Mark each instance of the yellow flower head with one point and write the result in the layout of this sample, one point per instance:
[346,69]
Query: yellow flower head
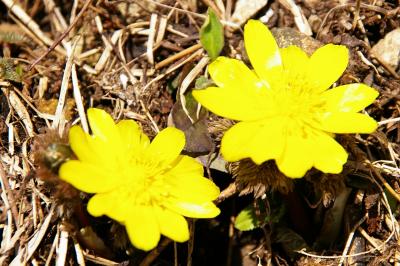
[285,109]
[147,186]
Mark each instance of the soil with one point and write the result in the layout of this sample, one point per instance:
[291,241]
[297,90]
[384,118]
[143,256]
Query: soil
[131,58]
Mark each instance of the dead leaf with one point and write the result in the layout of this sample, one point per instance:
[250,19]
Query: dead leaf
[197,137]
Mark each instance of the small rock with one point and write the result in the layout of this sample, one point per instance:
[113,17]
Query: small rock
[387,49]
[288,36]
[245,9]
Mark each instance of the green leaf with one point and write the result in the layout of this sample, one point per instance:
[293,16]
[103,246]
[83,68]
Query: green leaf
[256,215]
[212,35]
[202,83]
[247,219]
[392,200]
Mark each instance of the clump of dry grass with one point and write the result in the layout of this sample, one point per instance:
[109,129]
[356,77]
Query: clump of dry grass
[123,56]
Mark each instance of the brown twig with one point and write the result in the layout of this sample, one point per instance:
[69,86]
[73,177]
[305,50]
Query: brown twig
[192,20]
[62,36]
[191,242]
[384,182]
[231,242]
[228,10]
[177,56]
[214,7]
[9,193]
[387,67]
[356,15]
[155,252]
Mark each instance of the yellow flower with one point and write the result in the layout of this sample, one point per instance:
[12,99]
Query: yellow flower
[148,187]
[285,109]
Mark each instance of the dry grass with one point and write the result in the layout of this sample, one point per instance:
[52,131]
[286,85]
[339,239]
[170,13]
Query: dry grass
[123,56]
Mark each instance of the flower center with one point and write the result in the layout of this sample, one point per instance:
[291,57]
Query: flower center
[296,100]
[144,182]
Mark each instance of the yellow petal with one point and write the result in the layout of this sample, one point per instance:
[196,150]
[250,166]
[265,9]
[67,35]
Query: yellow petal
[114,204]
[186,165]
[172,225]
[259,140]
[167,145]
[187,183]
[142,228]
[349,98]
[297,158]
[294,60]
[329,156]
[100,204]
[105,141]
[129,132]
[235,104]
[262,49]
[193,210]
[133,138]
[102,125]
[348,123]
[104,153]
[234,74]
[327,64]
[80,145]
[87,177]
[195,189]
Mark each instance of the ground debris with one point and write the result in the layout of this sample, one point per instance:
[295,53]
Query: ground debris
[132,59]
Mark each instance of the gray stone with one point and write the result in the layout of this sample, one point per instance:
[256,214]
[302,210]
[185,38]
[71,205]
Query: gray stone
[387,49]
